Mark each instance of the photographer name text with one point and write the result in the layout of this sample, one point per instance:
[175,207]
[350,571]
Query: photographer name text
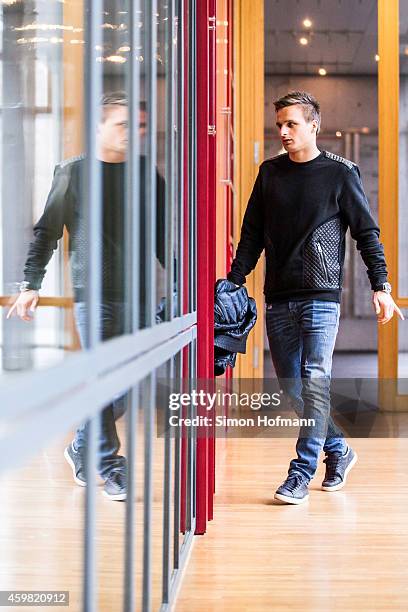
[223,421]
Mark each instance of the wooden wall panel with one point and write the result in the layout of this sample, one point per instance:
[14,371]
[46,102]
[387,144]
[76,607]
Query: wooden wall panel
[73,67]
[73,132]
[248,150]
[388,106]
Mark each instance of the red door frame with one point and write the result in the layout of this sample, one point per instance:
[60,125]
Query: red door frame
[212,202]
[186,246]
[206,157]
[229,245]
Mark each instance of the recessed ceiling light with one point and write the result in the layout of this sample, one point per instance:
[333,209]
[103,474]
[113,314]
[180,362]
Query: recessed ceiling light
[303,40]
[377,57]
[307,23]
[322,71]
[338,134]
[116,59]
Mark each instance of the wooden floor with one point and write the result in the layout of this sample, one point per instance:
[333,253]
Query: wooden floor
[343,551]
[41,530]
[340,551]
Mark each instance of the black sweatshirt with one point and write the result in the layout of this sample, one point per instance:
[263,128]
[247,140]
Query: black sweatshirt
[65,208]
[299,213]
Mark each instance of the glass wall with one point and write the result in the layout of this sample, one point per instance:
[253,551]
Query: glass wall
[32,144]
[43,134]
[322,50]
[97,232]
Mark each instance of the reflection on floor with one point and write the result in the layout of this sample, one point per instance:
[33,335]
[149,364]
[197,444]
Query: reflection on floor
[349,365]
[340,551]
[346,550]
[354,365]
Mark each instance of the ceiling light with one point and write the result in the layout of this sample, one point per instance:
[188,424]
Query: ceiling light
[43,27]
[116,59]
[307,23]
[303,41]
[34,40]
[338,134]
[322,71]
[377,57]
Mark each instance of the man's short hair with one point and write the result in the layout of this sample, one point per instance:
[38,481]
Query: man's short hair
[117,98]
[310,106]
[112,99]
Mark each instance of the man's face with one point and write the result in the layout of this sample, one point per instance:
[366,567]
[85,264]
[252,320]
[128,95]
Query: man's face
[113,131]
[295,132]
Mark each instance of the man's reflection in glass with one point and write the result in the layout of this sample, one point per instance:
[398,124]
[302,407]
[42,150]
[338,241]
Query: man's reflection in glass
[64,208]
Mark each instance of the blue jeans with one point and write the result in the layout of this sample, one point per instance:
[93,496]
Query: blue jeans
[111,322]
[301,337]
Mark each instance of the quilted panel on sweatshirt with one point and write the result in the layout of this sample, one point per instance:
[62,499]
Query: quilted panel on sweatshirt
[321,265]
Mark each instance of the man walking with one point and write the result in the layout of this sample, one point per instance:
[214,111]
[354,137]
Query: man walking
[65,208]
[301,205]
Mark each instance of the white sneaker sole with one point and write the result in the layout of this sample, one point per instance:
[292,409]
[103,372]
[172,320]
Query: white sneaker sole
[118,497]
[341,485]
[290,500]
[81,483]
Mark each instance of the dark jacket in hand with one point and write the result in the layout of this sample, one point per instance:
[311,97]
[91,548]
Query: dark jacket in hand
[234,317]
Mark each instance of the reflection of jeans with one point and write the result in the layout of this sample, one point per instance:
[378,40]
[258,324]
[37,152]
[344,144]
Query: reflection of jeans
[111,320]
[301,338]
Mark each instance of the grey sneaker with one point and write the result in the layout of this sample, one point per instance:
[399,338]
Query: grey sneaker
[115,485]
[76,461]
[294,490]
[337,468]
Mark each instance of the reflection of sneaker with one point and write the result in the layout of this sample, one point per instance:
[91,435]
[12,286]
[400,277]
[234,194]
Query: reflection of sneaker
[294,490]
[337,468]
[115,485]
[76,461]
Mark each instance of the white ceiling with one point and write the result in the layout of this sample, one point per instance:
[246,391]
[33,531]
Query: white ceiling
[343,38]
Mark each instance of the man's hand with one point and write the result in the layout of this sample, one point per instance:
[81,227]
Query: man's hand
[385,306]
[26,302]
